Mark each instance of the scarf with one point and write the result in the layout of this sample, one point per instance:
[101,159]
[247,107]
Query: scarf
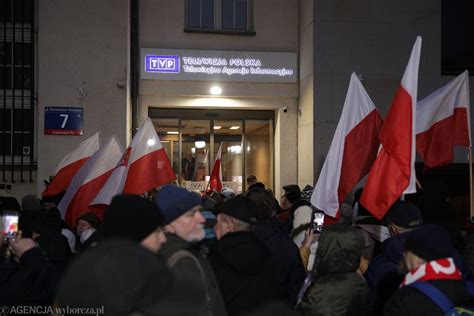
[440,269]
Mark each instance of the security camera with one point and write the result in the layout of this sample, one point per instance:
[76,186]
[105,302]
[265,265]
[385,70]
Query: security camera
[285,109]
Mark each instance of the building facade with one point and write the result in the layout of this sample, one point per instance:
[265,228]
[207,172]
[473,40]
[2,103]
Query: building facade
[282,67]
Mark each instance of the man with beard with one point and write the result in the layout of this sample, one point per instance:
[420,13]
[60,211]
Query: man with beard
[184,227]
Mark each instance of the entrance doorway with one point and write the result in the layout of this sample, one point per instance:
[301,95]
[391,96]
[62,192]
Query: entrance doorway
[192,139]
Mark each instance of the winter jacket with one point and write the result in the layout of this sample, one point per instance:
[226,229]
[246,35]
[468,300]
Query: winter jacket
[409,301]
[183,256]
[247,272]
[382,275]
[32,282]
[284,249]
[337,288]
[297,217]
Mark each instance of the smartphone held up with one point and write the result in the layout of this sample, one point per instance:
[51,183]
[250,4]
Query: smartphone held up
[9,224]
[317,221]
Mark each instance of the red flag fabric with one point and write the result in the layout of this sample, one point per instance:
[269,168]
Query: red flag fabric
[149,166]
[393,172]
[442,122]
[144,166]
[88,180]
[215,180]
[352,152]
[70,164]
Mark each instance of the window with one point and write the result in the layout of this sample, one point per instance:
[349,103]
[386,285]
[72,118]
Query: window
[221,16]
[17,102]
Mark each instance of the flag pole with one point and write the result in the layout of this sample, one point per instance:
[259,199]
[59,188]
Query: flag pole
[418,184]
[471,213]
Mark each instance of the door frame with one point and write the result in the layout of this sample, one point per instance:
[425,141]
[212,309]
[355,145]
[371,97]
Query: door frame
[219,114]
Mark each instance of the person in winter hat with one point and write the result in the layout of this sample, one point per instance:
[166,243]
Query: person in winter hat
[246,270]
[428,260]
[184,226]
[135,218]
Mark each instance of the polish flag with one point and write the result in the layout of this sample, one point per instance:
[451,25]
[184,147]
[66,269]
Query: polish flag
[88,180]
[352,152]
[148,165]
[393,172]
[144,166]
[215,181]
[70,164]
[442,122]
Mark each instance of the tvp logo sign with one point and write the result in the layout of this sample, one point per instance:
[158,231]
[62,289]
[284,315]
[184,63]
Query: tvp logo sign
[162,63]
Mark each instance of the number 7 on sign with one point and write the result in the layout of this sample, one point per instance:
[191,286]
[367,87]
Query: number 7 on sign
[65,116]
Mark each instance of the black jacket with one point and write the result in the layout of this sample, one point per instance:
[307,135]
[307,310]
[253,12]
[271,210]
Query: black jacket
[183,256]
[32,282]
[247,272]
[410,301]
[292,272]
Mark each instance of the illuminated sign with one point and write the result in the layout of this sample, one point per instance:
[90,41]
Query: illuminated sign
[199,65]
[163,63]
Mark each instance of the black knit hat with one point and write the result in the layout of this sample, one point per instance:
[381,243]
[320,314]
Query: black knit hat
[241,208]
[122,277]
[175,201]
[292,192]
[131,217]
[91,218]
[430,242]
[405,215]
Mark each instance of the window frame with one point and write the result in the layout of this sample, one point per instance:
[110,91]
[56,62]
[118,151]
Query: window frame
[18,102]
[218,21]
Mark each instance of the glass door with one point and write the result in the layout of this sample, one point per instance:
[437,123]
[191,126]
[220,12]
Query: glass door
[168,132]
[195,137]
[229,135]
[192,138]
[258,151]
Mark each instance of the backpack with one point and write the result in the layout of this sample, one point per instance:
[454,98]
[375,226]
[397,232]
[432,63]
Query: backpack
[440,299]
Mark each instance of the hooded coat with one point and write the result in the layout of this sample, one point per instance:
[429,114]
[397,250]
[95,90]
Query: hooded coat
[337,288]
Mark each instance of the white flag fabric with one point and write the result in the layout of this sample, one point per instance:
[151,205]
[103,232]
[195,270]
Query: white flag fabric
[443,122]
[393,172]
[88,180]
[144,166]
[70,164]
[353,149]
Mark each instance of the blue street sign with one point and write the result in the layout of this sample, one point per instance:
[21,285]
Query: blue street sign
[63,121]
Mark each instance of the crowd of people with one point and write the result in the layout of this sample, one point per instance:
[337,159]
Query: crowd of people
[177,252]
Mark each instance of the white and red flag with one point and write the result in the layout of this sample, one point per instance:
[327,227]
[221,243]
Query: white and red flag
[215,181]
[70,164]
[352,152]
[443,121]
[148,165]
[393,172]
[88,180]
[144,166]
